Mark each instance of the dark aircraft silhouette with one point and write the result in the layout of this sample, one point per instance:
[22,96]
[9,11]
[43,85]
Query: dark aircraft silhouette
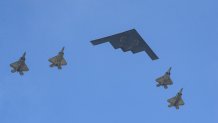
[128,41]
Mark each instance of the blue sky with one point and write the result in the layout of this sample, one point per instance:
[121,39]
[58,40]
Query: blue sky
[100,84]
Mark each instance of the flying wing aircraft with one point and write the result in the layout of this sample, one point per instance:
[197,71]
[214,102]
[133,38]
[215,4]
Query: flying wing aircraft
[128,41]
[58,60]
[165,80]
[177,100]
[20,65]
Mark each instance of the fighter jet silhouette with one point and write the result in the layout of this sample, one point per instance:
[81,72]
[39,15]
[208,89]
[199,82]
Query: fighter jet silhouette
[58,60]
[177,100]
[164,80]
[20,65]
[128,41]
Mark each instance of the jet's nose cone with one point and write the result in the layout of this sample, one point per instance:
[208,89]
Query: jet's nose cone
[168,71]
[62,50]
[24,54]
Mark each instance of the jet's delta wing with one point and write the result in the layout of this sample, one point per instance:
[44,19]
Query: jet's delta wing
[128,41]
[15,65]
[55,60]
[20,66]
[24,67]
[181,102]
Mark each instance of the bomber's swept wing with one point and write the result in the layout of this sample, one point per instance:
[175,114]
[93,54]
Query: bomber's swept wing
[128,41]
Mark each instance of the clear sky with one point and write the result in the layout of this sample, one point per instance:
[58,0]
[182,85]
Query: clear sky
[101,84]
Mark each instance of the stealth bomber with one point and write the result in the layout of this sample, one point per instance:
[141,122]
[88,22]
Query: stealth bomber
[165,80]
[176,101]
[128,41]
[20,65]
[58,60]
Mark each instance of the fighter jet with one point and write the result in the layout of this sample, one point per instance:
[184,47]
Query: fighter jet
[58,60]
[128,41]
[176,101]
[164,80]
[20,65]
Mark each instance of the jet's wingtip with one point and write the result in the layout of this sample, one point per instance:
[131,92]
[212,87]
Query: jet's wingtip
[156,58]
[93,42]
[98,41]
[152,55]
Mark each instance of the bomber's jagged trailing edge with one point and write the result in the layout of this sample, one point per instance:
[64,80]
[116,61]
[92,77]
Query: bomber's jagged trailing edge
[165,80]
[177,100]
[20,65]
[58,60]
[128,41]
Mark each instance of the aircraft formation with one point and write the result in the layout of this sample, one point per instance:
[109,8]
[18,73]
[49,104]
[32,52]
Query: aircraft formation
[21,67]
[128,41]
